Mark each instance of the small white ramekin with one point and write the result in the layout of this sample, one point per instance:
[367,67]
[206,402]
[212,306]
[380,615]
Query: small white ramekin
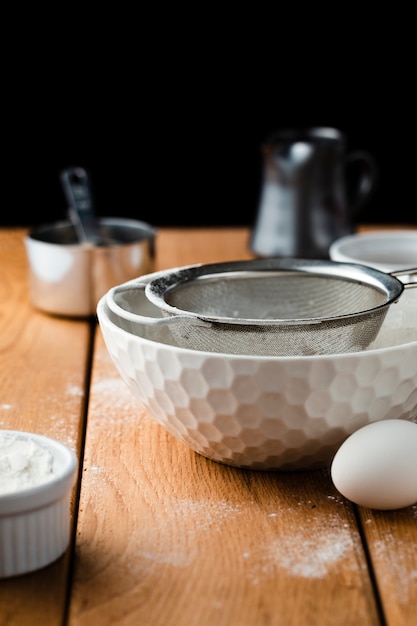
[35,522]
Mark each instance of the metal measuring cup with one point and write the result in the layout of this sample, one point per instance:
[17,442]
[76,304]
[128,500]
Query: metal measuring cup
[72,263]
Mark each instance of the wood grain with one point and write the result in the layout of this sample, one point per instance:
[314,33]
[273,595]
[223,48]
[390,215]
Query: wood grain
[43,365]
[165,536]
[168,537]
[391,537]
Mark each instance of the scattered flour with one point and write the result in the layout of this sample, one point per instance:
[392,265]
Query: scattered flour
[114,392]
[401,577]
[199,516]
[75,390]
[308,558]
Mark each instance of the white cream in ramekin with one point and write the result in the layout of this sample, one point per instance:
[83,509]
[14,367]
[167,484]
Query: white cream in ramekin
[37,476]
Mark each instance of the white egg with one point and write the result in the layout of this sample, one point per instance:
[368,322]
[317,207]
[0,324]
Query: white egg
[376,466]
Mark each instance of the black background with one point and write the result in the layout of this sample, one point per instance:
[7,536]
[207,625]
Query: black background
[170,127]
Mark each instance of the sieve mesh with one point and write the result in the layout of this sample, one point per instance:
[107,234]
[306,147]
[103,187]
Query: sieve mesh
[344,335]
[292,296]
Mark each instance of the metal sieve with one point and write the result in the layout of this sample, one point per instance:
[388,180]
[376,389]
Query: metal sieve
[282,307]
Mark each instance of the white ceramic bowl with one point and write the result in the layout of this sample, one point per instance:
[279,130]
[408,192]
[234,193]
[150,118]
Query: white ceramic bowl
[388,250]
[286,413]
[34,517]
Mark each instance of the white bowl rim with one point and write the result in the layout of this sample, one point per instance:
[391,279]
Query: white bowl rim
[45,493]
[103,318]
[380,234]
[349,247]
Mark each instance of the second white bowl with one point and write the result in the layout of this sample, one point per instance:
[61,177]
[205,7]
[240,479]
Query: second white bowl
[387,250]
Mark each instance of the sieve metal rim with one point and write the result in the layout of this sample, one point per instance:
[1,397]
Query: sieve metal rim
[158,289]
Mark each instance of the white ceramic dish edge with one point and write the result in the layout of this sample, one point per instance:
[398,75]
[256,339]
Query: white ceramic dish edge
[35,523]
[386,250]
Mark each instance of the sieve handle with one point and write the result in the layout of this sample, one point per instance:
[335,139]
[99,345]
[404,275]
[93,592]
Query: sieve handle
[411,271]
[137,318]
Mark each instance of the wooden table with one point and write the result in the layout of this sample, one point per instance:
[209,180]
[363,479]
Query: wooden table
[161,535]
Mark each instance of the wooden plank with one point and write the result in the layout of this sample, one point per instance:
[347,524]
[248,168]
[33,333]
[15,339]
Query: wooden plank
[166,537]
[43,365]
[392,542]
[391,537]
[183,246]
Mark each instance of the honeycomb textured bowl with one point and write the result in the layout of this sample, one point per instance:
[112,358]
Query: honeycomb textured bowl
[266,413]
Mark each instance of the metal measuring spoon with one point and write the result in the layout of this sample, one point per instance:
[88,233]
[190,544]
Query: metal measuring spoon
[77,190]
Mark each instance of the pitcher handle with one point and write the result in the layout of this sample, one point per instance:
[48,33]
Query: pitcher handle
[366,178]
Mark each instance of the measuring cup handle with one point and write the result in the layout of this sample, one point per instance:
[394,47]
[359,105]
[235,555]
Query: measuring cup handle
[78,193]
[364,180]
